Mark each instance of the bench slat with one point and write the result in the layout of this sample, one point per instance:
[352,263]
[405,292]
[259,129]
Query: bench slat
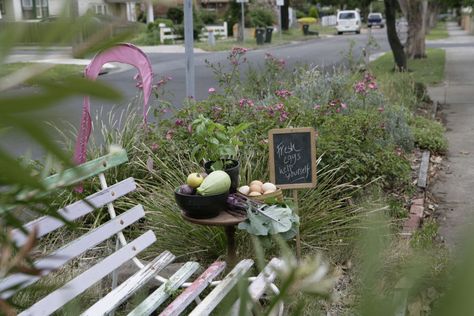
[82,282]
[86,170]
[258,286]
[117,296]
[193,291]
[222,289]
[77,174]
[61,256]
[152,302]
[47,224]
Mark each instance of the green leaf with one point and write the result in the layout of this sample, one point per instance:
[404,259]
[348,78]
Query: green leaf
[15,172]
[214,140]
[55,92]
[38,134]
[221,136]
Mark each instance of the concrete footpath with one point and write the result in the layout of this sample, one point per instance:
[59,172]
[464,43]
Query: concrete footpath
[454,189]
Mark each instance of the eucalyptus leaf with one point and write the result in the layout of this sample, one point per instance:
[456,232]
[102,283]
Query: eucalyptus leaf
[14,172]
[55,92]
[37,133]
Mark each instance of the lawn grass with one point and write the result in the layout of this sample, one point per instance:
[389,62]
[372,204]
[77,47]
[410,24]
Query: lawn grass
[294,34]
[429,70]
[438,32]
[55,73]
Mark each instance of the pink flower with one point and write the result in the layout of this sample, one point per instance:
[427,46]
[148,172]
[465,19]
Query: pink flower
[283,93]
[238,50]
[169,134]
[271,111]
[268,56]
[317,107]
[211,90]
[360,88]
[154,146]
[368,77]
[338,110]
[372,85]
[160,82]
[343,106]
[179,122]
[283,116]
[279,106]
[139,83]
[246,102]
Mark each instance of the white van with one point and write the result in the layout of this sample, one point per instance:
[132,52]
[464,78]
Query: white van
[348,21]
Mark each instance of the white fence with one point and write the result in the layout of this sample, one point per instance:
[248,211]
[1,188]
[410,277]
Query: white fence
[220,31]
[166,33]
[328,20]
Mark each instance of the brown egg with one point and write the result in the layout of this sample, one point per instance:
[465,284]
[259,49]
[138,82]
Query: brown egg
[255,188]
[256,182]
[255,193]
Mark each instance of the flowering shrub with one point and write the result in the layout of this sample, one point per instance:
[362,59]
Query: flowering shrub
[353,120]
[361,139]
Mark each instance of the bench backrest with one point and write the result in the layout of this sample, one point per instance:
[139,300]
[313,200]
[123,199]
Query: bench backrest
[167,33]
[59,257]
[218,30]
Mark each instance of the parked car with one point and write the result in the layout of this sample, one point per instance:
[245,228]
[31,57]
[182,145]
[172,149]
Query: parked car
[348,21]
[375,19]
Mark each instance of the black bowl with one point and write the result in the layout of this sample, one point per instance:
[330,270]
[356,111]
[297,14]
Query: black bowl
[198,206]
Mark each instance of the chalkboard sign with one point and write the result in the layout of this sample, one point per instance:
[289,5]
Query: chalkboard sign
[293,157]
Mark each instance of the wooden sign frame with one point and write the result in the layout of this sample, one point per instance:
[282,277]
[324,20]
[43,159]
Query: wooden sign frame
[271,144]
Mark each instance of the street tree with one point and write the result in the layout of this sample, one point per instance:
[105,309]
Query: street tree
[397,48]
[416,15]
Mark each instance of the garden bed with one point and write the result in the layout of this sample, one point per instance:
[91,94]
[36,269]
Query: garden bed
[367,130]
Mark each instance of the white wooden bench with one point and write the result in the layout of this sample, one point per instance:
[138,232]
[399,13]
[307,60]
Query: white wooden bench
[129,250]
[220,31]
[167,33]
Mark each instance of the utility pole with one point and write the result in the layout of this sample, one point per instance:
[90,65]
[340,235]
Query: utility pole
[242,19]
[77,39]
[188,47]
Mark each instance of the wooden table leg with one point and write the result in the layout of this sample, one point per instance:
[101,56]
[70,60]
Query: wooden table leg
[231,251]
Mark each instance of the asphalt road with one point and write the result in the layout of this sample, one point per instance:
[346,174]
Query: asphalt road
[325,52]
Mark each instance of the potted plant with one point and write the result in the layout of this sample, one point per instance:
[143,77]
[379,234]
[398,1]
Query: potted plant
[216,147]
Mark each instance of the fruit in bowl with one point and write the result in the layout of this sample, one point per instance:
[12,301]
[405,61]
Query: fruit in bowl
[207,199]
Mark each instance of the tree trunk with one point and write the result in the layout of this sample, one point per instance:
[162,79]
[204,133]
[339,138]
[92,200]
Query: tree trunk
[403,6]
[415,46]
[284,16]
[433,10]
[395,44]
